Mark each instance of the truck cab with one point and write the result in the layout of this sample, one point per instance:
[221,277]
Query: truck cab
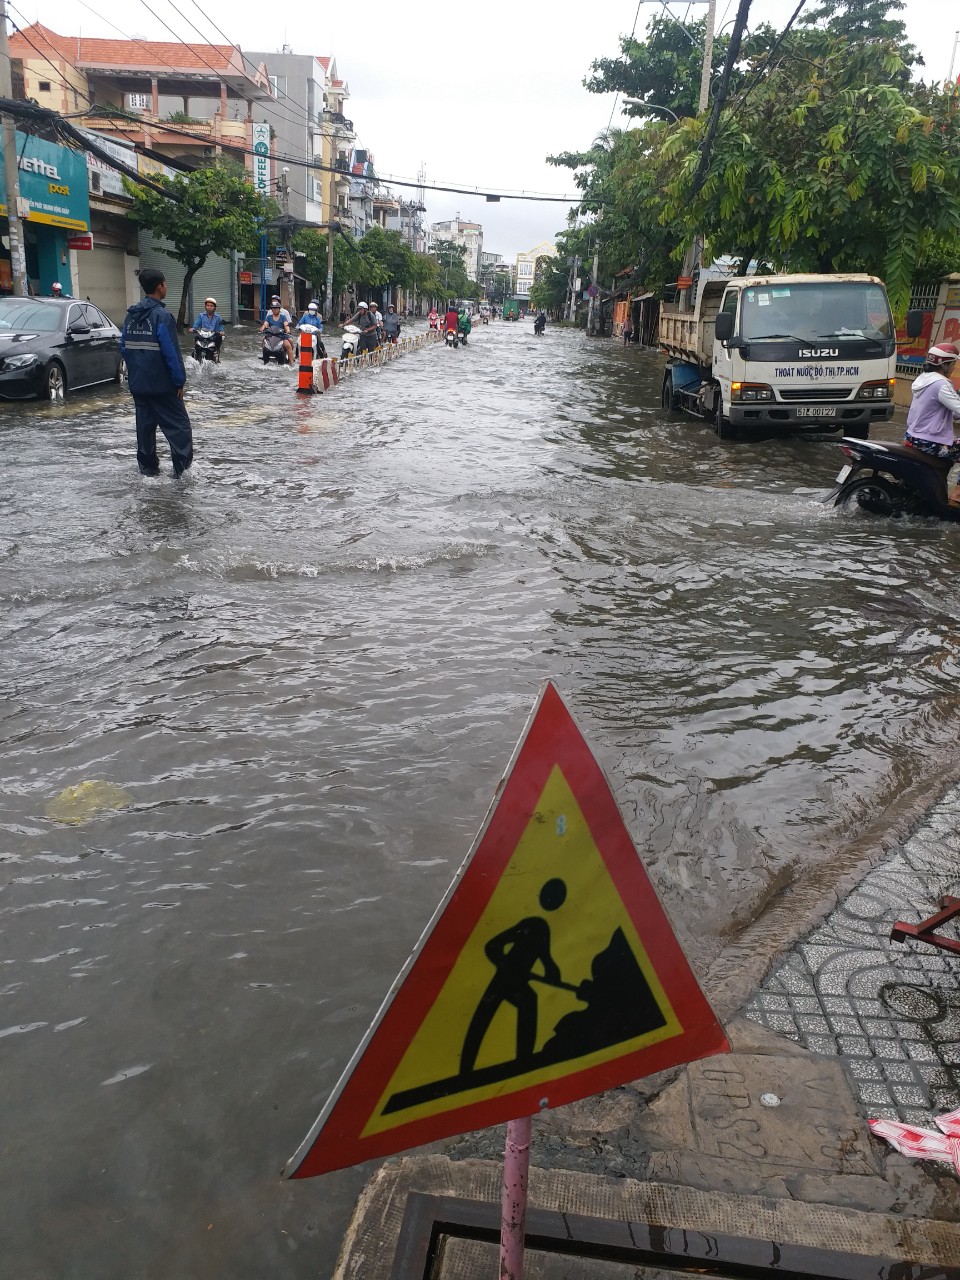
[801,352]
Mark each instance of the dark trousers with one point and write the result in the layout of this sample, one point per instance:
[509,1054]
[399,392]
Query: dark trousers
[169,413]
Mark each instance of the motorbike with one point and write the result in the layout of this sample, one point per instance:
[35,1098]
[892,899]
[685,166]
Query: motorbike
[205,346]
[462,335]
[319,350]
[893,480]
[351,336]
[539,326]
[451,338]
[273,348]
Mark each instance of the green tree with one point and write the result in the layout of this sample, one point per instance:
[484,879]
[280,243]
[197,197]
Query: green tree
[862,172]
[207,211]
[388,259]
[348,261]
[453,279]
[550,279]
[858,20]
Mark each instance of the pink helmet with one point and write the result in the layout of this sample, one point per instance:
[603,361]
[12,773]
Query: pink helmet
[943,353]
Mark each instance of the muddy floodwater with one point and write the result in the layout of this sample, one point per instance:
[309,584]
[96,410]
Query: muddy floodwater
[306,668]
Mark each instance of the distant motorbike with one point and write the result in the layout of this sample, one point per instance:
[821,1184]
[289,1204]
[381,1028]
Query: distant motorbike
[451,338]
[539,325]
[351,336]
[273,348]
[205,346]
[893,480]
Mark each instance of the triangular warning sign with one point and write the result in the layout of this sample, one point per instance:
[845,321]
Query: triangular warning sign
[548,973]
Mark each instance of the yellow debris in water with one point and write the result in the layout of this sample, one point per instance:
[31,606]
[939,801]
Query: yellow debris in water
[87,799]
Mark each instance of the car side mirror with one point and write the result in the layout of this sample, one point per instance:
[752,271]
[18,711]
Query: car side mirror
[914,324]
[78,326]
[724,326]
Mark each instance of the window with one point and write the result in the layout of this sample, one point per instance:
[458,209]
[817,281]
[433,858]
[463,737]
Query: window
[44,86]
[730,300]
[138,101]
[279,85]
[94,318]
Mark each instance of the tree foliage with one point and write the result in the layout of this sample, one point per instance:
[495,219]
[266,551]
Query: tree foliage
[348,263]
[204,212]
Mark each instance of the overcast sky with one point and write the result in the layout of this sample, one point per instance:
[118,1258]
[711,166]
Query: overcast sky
[479,94]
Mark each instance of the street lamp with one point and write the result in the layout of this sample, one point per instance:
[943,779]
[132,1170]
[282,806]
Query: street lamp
[651,106]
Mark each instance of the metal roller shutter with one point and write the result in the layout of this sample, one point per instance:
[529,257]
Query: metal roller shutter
[173,270]
[213,280]
[101,278]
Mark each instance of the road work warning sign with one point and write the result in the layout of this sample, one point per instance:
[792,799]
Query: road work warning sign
[549,972]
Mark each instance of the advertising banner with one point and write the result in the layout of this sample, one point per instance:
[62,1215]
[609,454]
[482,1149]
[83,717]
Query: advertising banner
[108,180]
[261,158]
[53,184]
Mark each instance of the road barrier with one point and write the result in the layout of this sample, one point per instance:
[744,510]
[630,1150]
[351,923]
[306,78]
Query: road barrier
[327,373]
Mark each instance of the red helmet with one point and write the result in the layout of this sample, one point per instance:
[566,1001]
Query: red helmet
[943,353]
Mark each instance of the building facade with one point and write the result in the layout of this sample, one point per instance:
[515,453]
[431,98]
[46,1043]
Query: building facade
[467,234]
[526,265]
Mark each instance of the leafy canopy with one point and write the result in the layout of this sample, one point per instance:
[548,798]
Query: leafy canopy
[207,211]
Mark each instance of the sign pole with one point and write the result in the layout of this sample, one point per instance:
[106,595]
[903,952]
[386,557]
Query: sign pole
[516,1165]
[18,262]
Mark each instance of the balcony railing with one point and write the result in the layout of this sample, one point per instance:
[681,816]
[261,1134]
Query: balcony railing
[337,117]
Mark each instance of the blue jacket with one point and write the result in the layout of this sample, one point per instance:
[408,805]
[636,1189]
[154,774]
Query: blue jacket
[314,318]
[149,346]
[214,323]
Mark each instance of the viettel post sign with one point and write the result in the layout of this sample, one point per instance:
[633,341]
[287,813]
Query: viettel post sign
[53,184]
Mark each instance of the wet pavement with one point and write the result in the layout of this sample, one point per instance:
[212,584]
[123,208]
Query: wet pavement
[307,667]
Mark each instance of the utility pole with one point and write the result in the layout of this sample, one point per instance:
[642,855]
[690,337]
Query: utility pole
[332,229]
[592,309]
[575,267]
[287,282]
[18,261]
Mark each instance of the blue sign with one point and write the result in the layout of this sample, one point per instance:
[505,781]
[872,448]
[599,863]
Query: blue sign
[53,184]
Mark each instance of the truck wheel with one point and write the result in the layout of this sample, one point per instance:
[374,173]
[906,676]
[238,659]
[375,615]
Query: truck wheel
[724,427]
[668,397]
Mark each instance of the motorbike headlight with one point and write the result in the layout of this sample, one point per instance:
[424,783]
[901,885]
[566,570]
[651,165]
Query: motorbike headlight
[19,362]
[751,391]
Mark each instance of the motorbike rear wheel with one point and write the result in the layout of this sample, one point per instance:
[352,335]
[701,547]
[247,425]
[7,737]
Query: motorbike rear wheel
[877,496]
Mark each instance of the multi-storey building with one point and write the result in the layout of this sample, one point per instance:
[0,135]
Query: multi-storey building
[190,103]
[468,234]
[526,265]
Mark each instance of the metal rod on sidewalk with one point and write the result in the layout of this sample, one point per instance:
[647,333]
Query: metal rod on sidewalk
[516,1165]
[8,135]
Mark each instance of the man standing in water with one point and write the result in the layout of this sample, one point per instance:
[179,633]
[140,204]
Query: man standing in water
[156,376]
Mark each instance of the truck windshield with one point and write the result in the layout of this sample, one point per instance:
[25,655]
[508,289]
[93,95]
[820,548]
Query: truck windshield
[811,312]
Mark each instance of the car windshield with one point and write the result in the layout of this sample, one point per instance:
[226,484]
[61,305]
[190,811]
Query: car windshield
[814,312]
[25,316]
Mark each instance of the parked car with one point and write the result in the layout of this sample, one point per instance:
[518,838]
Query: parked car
[50,345]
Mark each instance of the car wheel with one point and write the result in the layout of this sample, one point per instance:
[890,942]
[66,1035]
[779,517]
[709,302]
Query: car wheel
[55,382]
[120,377]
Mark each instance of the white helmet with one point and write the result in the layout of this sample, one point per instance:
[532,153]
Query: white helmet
[313,306]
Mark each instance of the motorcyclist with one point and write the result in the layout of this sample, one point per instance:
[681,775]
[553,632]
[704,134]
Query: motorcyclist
[451,319]
[935,408]
[540,323]
[275,323]
[391,324]
[210,320]
[433,319]
[312,319]
[378,318]
[464,323]
[367,324]
[283,310]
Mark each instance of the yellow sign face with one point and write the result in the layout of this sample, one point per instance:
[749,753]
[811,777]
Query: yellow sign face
[553,972]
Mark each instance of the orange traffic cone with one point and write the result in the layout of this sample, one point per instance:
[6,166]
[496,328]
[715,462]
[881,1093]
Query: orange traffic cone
[305,385]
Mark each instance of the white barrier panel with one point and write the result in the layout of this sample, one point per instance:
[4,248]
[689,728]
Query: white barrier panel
[327,373]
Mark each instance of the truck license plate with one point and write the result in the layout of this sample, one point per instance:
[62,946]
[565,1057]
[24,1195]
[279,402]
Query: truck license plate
[843,473]
[821,412]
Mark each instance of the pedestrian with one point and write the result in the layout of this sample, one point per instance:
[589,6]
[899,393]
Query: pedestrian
[627,331]
[391,324]
[56,291]
[156,376]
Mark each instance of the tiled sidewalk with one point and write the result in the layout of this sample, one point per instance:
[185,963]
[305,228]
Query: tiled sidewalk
[892,1010]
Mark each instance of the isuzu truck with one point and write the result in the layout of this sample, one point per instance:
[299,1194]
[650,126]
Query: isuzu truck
[796,352]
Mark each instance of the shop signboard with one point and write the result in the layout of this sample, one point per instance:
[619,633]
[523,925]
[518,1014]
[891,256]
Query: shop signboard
[103,179]
[53,184]
[261,158]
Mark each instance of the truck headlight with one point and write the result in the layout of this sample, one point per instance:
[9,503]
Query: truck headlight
[880,390]
[19,362]
[750,391]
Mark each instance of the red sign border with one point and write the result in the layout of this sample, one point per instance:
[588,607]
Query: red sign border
[550,739]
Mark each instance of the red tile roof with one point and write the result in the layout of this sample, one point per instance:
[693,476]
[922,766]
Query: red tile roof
[125,55]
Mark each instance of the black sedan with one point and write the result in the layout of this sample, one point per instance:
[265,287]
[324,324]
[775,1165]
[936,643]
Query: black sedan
[48,345]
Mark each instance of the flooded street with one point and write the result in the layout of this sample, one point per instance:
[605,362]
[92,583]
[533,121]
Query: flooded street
[308,665]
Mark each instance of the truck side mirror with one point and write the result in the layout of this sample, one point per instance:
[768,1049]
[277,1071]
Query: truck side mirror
[724,326]
[914,324]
